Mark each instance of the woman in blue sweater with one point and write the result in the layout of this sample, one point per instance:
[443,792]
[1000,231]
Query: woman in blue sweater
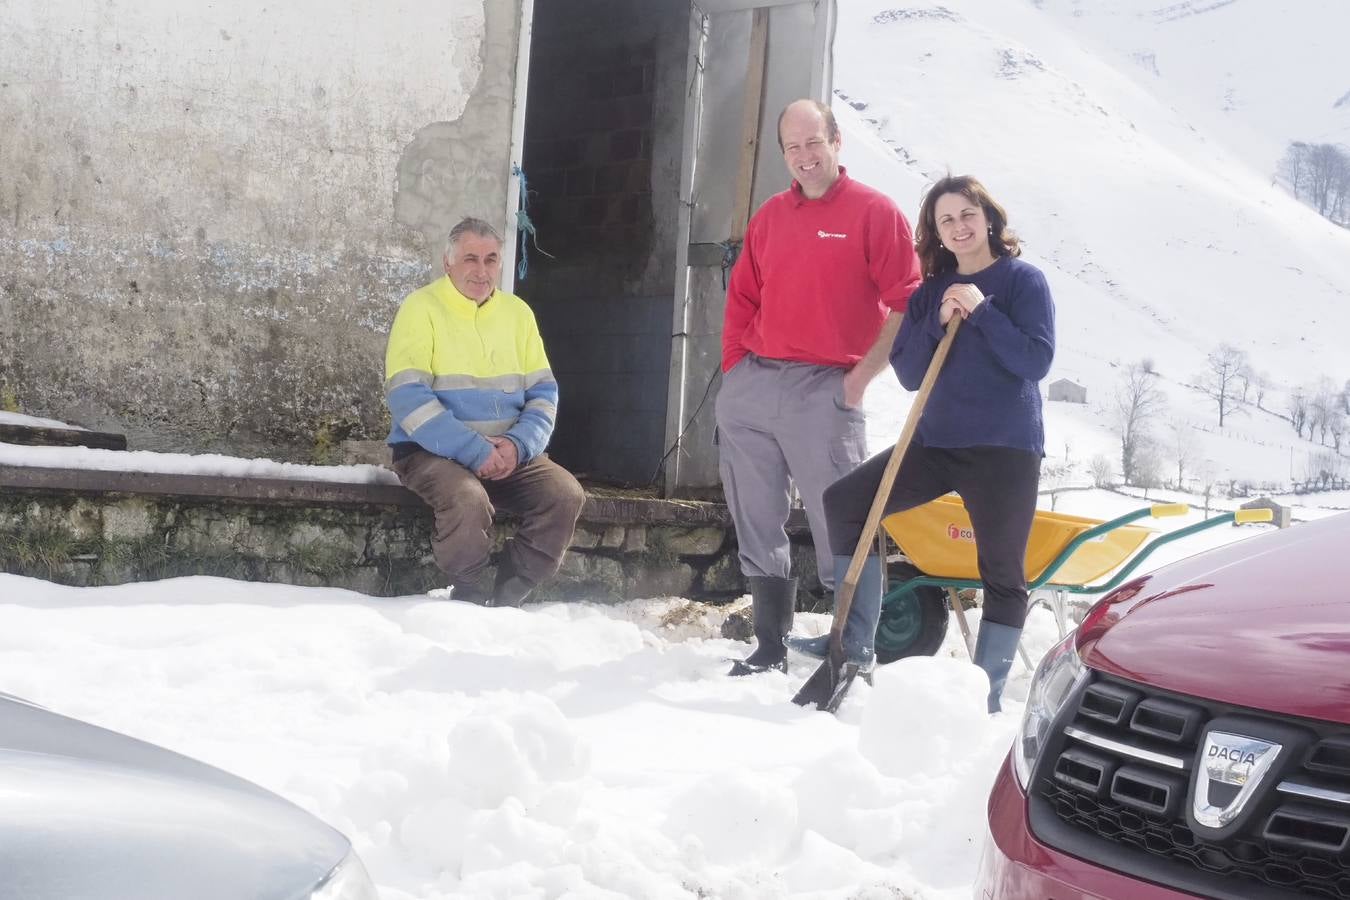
[981,434]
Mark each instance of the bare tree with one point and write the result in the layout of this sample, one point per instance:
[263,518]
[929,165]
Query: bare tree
[1322,468]
[1138,401]
[1219,381]
[1207,473]
[1262,384]
[1319,175]
[1325,162]
[1342,192]
[1147,467]
[1293,167]
[1298,410]
[1182,443]
[1101,470]
[1323,406]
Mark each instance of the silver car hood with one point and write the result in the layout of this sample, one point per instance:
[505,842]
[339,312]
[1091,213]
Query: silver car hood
[90,814]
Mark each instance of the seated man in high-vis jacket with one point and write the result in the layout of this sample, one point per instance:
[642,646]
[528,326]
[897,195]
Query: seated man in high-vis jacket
[473,403]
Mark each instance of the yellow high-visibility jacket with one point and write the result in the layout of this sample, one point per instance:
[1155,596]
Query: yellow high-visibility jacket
[457,372]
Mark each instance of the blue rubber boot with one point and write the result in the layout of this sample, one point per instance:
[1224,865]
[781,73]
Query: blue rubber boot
[995,647]
[860,631]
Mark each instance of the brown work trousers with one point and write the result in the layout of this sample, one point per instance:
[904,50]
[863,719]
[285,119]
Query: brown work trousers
[541,493]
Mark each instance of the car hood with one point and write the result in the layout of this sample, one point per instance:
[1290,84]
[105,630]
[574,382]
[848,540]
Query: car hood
[1261,623]
[89,814]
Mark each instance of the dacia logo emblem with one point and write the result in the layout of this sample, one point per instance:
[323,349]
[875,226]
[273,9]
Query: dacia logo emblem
[1229,761]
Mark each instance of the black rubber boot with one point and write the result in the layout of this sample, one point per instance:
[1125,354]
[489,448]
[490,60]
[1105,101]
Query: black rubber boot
[510,588]
[470,590]
[774,601]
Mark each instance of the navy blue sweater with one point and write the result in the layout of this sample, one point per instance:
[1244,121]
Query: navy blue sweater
[988,392]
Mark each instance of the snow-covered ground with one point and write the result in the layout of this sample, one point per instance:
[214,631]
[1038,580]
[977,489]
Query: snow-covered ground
[561,750]
[557,751]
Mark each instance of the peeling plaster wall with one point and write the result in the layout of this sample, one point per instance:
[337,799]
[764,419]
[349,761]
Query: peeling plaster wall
[209,212]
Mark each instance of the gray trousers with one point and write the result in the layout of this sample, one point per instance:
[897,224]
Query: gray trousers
[778,424]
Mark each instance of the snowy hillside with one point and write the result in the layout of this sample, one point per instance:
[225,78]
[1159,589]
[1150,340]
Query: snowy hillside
[1217,61]
[1159,241]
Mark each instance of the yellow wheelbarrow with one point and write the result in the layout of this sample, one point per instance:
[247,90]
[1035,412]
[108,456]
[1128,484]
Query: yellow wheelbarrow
[1065,555]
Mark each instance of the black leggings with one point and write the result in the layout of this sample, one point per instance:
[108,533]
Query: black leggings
[998,486]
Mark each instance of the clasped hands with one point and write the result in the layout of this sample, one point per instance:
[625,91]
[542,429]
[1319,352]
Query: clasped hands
[502,461]
[959,299]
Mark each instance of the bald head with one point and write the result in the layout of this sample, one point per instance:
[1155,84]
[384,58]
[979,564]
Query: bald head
[809,108]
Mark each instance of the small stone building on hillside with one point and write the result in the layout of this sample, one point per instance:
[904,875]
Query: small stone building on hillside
[1067,391]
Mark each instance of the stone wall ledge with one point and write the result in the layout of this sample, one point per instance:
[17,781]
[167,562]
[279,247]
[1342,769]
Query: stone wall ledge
[600,508]
[89,527]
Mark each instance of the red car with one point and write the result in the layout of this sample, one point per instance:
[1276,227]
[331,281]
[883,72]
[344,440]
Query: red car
[1191,738]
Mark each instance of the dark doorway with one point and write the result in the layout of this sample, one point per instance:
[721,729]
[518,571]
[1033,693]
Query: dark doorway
[603,143]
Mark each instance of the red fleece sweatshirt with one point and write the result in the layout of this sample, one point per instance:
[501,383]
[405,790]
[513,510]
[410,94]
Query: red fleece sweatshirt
[816,277]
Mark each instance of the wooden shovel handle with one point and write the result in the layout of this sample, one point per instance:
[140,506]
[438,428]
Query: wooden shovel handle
[843,597]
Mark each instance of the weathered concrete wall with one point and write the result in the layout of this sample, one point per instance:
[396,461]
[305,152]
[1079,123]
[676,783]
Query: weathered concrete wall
[58,527]
[604,136]
[209,212]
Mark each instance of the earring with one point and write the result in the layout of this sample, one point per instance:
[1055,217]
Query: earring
[991,229]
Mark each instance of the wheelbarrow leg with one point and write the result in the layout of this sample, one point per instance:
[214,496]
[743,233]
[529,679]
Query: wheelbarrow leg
[960,611]
[1061,620]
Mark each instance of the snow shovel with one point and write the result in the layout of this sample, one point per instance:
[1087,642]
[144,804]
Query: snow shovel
[831,680]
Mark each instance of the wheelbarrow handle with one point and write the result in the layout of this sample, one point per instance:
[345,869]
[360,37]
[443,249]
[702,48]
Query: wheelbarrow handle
[843,598]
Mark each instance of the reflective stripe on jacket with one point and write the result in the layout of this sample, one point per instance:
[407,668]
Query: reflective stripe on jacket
[457,373]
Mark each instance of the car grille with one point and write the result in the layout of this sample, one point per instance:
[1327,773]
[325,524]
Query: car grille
[1116,777]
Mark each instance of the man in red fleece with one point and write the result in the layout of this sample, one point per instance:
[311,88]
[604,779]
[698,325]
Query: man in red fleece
[813,306]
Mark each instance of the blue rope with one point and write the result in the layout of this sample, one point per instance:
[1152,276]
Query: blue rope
[731,251]
[525,226]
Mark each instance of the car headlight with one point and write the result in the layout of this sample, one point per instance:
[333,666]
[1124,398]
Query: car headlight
[347,881]
[1059,673]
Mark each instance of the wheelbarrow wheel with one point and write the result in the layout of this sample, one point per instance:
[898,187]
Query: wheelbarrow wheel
[913,625]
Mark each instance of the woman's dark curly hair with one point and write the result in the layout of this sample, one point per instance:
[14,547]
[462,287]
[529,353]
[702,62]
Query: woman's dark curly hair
[933,257]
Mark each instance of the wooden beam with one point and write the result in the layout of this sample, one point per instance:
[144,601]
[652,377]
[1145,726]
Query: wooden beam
[751,111]
[33,436]
[713,7]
